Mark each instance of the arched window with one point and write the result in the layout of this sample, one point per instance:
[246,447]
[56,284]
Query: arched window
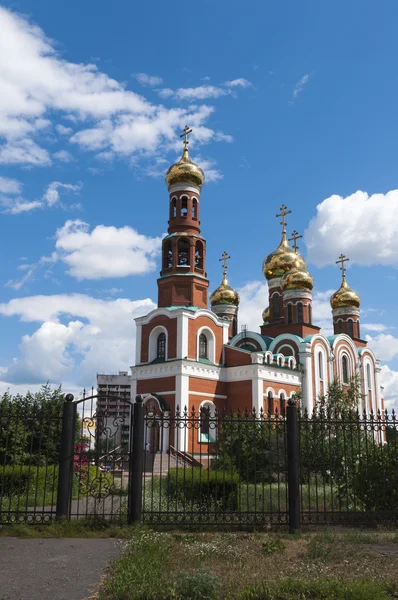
[368,376]
[203,351]
[208,423]
[174,208]
[270,406]
[184,206]
[289,314]
[275,306]
[167,256]
[282,402]
[310,314]
[350,328]
[183,252]
[344,368]
[320,365]
[300,318]
[194,208]
[161,347]
[199,255]
[340,326]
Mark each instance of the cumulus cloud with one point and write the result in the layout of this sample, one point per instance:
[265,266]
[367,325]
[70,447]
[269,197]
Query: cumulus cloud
[384,345]
[240,82]
[148,80]
[355,225]
[389,380]
[37,83]
[15,205]
[100,331]
[105,251]
[51,195]
[9,186]
[253,300]
[63,156]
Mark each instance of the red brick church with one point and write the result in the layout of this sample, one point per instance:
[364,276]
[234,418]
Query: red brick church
[191,355]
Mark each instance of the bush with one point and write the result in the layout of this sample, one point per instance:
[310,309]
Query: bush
[204,488]
[200,585]
[374,483]
[21,480]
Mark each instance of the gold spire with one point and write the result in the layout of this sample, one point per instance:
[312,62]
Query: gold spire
[224,294]
[185,170]
[344,297]
[284,257]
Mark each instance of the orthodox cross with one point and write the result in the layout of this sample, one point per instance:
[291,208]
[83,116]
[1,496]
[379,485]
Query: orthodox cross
[342,260]
[295,236]
[224,258]
[185,134]
[282,214]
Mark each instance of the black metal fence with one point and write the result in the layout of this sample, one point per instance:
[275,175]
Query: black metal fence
[103,456]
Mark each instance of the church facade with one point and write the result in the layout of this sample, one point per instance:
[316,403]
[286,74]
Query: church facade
[191,355]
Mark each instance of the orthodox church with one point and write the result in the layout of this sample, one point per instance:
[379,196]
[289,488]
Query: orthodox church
[191,355]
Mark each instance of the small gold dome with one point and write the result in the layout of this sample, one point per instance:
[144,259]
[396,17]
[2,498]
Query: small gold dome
[297,279]
[282,260]
[345,297]
[185,170]
[224,294]
[266,315]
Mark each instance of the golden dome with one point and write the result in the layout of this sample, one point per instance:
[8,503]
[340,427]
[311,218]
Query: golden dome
[266,315]
[297,279]
[345,297]
[282,260]
[185,170]
[224,294]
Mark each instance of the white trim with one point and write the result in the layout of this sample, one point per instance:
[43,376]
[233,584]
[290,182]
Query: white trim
[306,360]
[211,343]
[184,186]
[182,336]
[152,342]
[257,394]
[138,336]
[269,389]
[207,395]
[182,400]
[248,334]
[285,337]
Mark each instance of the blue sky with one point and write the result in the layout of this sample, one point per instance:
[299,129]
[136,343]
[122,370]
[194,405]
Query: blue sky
[290,102]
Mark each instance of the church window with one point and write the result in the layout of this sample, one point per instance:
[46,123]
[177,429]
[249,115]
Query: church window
[344,366]
[350,328]
[368,377]
[340,326]
[167,256]
[161,346]
[208,423]
[289,314]
[310,314]
[194,208]
[275,306]
[199,255]
[184,206]
[183,252]
[320,365]
[203,346]
[300,316]
[282,402]
[270,399]
[174,208]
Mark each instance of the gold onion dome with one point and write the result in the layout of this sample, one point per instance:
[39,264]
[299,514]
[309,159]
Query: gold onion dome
[345,297]
[185,170]
[282,260]
[224,294]
[297,278]
[266,315]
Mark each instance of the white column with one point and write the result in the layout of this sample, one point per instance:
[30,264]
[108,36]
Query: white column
[182,400]
[257,394]
[165,433]
[138,331]
[307,376]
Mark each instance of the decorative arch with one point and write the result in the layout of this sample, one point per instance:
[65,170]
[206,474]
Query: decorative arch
[199,249]
[153,342]
[292,363]
[184,206]
[173,207]
[208,426]
[282,403]
[210,344]
[249,334]
[270,400]
[194,208]
[280,360]
[345,370]
[183,252]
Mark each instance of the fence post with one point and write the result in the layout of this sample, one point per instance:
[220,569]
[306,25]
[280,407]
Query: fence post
[136,462]
[65,472]
[293,466]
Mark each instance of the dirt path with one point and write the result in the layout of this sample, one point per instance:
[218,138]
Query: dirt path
[49,569]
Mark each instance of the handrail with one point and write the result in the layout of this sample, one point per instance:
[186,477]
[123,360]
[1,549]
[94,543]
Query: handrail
[185,457]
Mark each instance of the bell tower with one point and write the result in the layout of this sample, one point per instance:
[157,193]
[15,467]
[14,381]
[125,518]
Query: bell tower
[183,278]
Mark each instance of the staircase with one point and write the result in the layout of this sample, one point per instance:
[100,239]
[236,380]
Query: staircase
[159,464]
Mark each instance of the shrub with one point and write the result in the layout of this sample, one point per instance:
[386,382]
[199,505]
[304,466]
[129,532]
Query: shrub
[203,487]
[21,480]
[200,585]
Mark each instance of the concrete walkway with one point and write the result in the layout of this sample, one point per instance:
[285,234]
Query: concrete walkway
[53,569]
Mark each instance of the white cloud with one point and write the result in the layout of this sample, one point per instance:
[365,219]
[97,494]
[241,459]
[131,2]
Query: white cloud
[355,225]
[64,130]
[384,345]
[148,80]
[253,300]
[165,93]
[322,312]
[63,156]
[373,327]
[17,206]
[204,92]
[36,82]
[9,186]
[101,331]
[298,88]
[105,251]
[51,195]
[389,380]
[212,174]
[240,82]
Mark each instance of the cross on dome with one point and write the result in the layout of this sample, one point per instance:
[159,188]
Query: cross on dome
[224,258]
[185,134]
[294,238]
[342,260]
[282,214]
